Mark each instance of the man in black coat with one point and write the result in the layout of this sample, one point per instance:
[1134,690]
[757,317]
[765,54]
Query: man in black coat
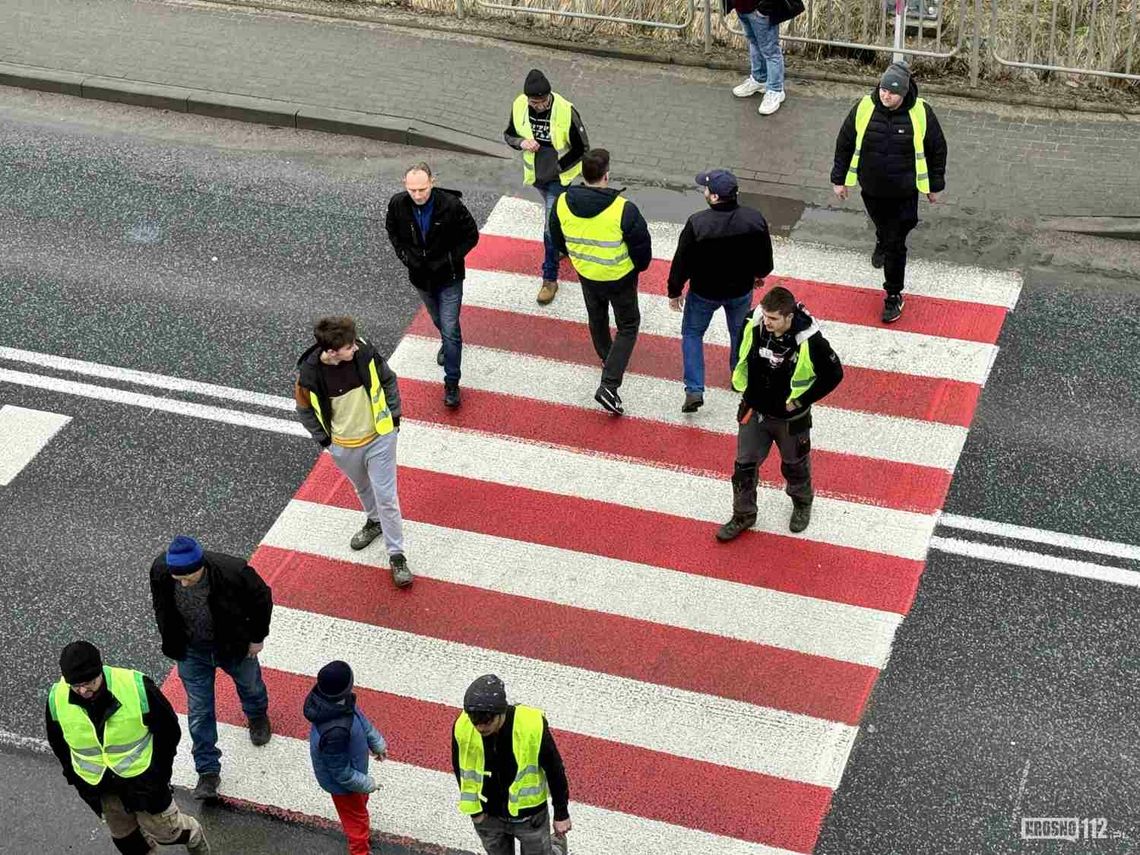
[876,147]
[213,612]
[432,231]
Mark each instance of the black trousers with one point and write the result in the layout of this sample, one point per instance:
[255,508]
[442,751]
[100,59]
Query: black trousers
[894,218]
[613,351]
[754,439]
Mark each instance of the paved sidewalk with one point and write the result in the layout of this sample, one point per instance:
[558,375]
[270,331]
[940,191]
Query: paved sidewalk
[659,121]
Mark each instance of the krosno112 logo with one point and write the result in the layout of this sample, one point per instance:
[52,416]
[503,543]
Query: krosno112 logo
[1064,828]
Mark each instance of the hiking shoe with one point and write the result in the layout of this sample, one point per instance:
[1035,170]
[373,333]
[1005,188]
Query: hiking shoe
[748,87]
[693,402]
[876,258]
[366,535]
[451,395]
[401,575]
[892,308]
[610,399]
[735,527]
[801,516]
[259,730]
[439,355]
[206,790]
[771,103]
[547,291]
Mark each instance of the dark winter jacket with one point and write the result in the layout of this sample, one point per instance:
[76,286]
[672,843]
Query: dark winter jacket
[886,161]
[311,378]
[586,201]
[499,763]
[437,261]
[721,252]
[340,740]
[148,792]
[772,360]
[240,605]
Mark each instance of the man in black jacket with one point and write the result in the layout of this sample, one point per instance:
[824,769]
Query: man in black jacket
[432,231]
[785,365]
[608,242]
[94,706]
[892,144]
[723,253]
[212,612]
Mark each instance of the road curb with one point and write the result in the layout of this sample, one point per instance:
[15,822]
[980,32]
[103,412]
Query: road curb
[248,108]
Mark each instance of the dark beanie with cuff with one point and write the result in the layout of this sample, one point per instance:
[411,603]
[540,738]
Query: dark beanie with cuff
[334,681]
[536,84]
[80,662]
[183,556]
[896,78]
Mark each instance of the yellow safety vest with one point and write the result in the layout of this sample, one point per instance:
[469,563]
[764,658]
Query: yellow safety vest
[529,786]
[127,746]
[560,114]
[802,377]
[381,415]
[917,115]
[595,244]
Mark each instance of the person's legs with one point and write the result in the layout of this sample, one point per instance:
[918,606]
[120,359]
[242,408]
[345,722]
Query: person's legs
[903,219]
[352,808]
[534,834]
[550,193]
[695,318]
[197,671]
[380,461]
[627,319]
[246,674]
[495,835]
[736,312]
[351,462]
[124,827]
[172,827]
[767,37]
[759,68]
[450,299]
[793,439]
[598,318]
[753,441]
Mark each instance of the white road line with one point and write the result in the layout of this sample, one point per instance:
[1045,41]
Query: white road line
[522,218]
[1022,558]
[661,718]
[879,348]
[24,434]
[868,435]
[420,804]
[581,580]
[24,743]
[1036,535]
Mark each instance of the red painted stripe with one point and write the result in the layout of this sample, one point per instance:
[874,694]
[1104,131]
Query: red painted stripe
[902,486]
[865,389]
[610,775]
[774,561]
[595,641]
[826,300]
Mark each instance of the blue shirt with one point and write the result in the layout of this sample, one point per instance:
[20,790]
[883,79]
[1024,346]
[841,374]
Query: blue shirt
[423,215]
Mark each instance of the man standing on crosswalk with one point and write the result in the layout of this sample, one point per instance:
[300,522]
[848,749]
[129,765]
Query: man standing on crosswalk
[507,767]
[784,366]
[608,242]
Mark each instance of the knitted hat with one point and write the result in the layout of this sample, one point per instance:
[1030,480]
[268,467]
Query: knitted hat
[486,694]
[334,681]
[896,78]
[80,662]
[183,556]
[536,84]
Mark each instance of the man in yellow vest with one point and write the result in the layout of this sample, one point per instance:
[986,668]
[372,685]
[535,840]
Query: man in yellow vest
[608,242]
[116,735]
[891,145]
[507,766]
[548,131]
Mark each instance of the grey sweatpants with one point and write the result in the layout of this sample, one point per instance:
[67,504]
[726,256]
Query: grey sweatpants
[754,440]
[372,471]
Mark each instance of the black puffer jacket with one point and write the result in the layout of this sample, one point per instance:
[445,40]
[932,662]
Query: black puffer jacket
[886,162]
[453,233]
[721,252]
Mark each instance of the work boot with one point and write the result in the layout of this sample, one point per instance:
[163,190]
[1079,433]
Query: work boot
[366,535]
[401,575]
[693,402]
[735,527]
[609,398]
[892,308]
[547,291]
[439,353]
[259,730]
[206,789]
[876,259]
[801,516]
[451,395]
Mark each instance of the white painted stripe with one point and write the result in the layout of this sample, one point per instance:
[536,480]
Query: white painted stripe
[1022,558]
[587,476]
[581,580]
[24,434]
[868,435]
[420,804]
[144,378]
[660,718]
[1036,535]
[522,218]
[881,348]
[11,739]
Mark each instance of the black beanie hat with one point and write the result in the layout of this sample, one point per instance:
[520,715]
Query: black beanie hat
[334,681]
[486,694]
[536,84]
[80,662]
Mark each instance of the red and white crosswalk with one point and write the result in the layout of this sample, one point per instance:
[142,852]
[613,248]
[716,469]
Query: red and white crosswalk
[705,696]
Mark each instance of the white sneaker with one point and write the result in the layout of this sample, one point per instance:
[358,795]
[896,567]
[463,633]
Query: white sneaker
[748,87]
[771,103]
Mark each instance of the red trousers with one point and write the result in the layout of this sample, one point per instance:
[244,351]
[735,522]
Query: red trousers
[353,812]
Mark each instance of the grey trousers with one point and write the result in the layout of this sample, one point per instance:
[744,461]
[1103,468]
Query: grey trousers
[169,828]
[498,836]
[754,440]
[372,471]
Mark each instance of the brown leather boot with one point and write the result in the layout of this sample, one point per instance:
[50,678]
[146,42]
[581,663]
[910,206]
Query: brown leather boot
[547,291]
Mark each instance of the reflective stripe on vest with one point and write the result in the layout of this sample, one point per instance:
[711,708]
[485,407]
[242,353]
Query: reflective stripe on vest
[381,415]
[802,378]
[561,112]
[595,244]
[917,115]
[529,786]
[127,745]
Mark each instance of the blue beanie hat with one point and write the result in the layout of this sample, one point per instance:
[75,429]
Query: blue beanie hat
[334,681]
[183,556]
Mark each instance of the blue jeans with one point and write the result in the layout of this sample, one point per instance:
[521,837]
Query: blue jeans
[695,320]
[443,306]
[550,193]
[764,50]
[197,672]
